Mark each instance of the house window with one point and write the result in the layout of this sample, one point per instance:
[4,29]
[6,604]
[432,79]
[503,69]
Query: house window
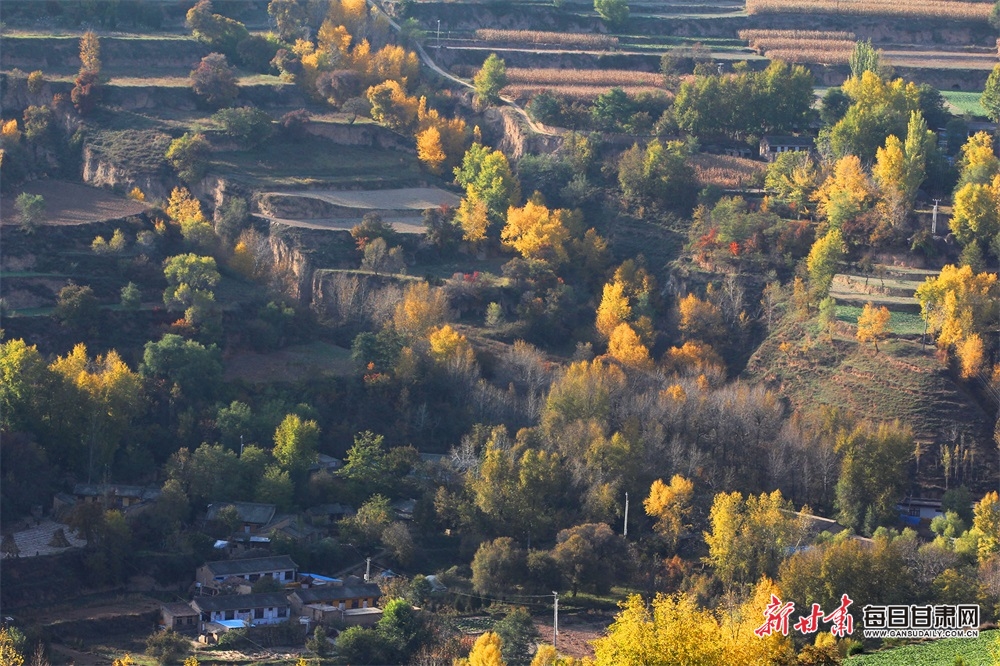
[288,575]
[254,577]
[282,612]
[244,611]
[230,615]
[258,613]
[914,511]
[354,603]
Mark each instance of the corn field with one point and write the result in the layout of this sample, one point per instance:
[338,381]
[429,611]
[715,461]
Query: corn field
[582,92]
[726,171]
[542,37]
[583,77]
[753,35]
[941,9]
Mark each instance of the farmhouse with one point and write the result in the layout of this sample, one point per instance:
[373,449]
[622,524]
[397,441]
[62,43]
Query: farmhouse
[251,609]
[112,495]
[179,617]
[343,597]
[772,146]
[913,510]
[325,613]
[254,516]
[280,567]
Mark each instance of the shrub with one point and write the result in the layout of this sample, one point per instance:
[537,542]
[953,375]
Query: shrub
[30,210]
[293,124]
[214,80]
[189,156]
[166,646]
[248,126]
[256,52]
[35,82]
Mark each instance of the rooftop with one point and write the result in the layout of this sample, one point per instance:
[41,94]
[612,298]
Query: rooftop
[237,602]
[328,593]
[251,565]
[115,490]
[249,512]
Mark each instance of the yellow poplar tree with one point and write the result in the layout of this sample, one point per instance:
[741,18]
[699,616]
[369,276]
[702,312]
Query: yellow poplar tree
[614,308]
[971,355]
[958,303]
[873,324]
[429,150]
[625,347]
[446,343]
[536,232]
[699,319]
[485,652]
[421,309]
[846,193]
[473,217]
[670,505]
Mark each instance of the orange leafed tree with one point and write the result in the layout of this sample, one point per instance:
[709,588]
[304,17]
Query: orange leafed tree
[429,150]
[537,232]
[626,347]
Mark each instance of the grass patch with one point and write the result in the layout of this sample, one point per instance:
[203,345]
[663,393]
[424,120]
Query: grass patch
[900,323]
[972,650]
[965,103]
[140,150]
[292,364]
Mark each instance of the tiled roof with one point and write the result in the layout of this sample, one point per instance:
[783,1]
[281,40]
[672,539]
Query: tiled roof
[327,593]
[238,601]
[251,565]
[249,512]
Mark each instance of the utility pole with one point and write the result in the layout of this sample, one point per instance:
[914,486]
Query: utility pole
[241,446]
[555,620]
[934,215]
[368,569]
[625,531]
[439,36]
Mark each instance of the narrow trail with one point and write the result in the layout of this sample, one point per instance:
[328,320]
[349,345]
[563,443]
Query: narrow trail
[427,60]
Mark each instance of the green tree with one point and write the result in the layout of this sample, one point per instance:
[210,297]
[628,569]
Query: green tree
[192,368]
[873,473]
[131,297]
[275,487]
[517,634]
[404,630]
[497,565]
[864,58]
[487,177]
[190,281]
[30,210]
[218,32]
[367,526]
[658,175]
[590,556]
[318,643]
[749,537]
[365,465]
[490,80]
[614,12]
[248,126]
[990,99]
[611,109]
[823,262]
[77,307]
[291,17]
[189,156]
[295,443]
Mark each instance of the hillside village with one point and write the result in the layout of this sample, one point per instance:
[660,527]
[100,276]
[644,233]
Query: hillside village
[510,333]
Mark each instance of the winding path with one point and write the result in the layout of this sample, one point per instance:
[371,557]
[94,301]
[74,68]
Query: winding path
[427,60]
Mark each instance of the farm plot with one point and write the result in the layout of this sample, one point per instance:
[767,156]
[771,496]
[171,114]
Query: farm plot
[812,46]
[950,9]
[71,203]
[524,83]
[972,651]
[316,359]
[727,172]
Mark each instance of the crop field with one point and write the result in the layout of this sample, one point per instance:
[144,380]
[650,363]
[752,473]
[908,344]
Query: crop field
[980,651]
[943,9]
[71,203]
[527,91]
[802,45]
[964,102]
[541,37]
[726,171]
[583,77]
[900,323]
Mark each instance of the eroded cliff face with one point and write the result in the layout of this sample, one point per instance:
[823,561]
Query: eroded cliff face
[512,135]
[98,171]
[291,267]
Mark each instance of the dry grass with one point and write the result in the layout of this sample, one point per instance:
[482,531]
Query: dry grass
[941,9]
[726,171]
[801,45]
[583,77]
[527,90]
[752,35]
[541,37]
